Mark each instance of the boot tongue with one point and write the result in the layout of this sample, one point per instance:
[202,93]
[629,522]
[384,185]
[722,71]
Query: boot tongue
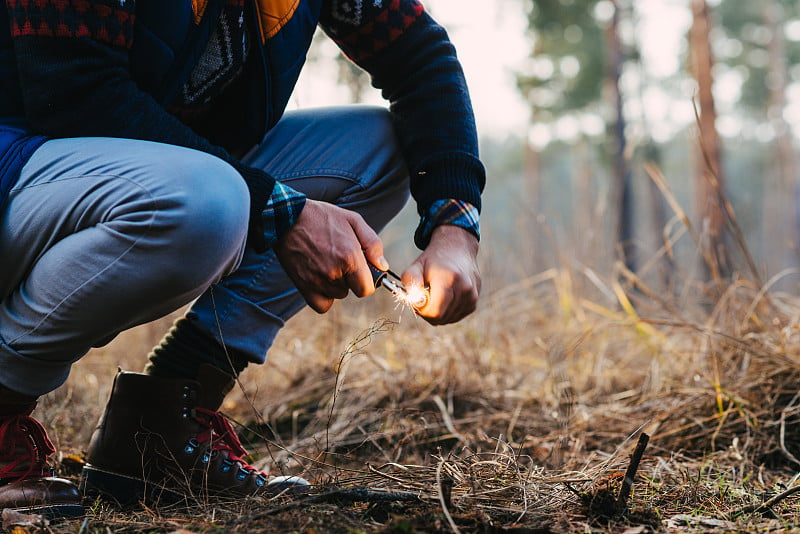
[215,383]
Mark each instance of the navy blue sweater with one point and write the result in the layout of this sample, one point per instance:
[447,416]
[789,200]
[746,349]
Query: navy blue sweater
[72,68]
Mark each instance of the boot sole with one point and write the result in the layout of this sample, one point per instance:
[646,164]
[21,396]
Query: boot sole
[124,490]
[127,491]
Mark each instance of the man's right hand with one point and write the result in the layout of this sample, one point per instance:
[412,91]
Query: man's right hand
[324,254]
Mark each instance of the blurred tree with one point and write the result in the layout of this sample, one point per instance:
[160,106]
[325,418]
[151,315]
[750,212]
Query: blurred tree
[784,192]
[569,60]
[749,32]
[576,66]
[351,76]
[754,46]
[710,178]
[646,151]
[621,172]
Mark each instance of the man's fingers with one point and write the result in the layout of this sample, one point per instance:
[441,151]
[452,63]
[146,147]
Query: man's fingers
[326,253]
[358,276]
[439,302]
[414,275]
[360,281]
[453,293]
[319,303]
[370,242]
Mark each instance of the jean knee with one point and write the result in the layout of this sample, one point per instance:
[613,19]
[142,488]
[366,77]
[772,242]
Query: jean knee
[209,206]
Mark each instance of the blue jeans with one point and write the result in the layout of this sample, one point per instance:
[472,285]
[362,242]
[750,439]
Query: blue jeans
[101,234]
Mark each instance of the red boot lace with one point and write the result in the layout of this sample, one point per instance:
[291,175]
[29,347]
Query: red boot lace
[223,437]
[24,448]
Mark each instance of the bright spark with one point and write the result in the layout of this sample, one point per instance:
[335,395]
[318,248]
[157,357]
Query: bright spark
[414,296]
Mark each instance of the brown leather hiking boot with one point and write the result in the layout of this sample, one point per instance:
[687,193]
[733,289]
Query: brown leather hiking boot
[27,483]
[162,441]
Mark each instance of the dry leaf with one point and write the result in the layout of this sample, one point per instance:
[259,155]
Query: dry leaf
[17,522]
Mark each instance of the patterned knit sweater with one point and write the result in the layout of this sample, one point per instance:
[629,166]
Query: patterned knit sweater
[72,58]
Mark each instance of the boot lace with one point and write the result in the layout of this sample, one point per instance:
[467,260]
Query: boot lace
[222,436]
[24,448]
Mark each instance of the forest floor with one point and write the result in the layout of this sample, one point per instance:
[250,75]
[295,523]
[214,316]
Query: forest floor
[523,418]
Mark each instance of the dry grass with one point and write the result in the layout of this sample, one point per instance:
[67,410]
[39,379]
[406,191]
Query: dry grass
[520,419]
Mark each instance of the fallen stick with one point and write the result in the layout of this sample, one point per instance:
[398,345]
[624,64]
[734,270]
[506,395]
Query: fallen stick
[630,473]
[338,496]
[766,505]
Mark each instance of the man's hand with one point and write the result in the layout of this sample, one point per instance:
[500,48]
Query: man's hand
[449,267]
[323,253]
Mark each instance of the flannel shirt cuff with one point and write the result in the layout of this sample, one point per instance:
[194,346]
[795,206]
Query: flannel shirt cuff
[281,212]
[451,212]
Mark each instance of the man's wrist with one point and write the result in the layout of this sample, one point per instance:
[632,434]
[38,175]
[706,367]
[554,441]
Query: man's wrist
[281,212]
[447,212]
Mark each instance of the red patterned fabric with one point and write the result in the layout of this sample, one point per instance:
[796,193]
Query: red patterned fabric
[366,28]
[108,21]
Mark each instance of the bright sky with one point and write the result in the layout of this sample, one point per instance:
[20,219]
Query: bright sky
[490,38]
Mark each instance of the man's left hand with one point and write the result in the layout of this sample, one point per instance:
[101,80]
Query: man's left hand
[449,268]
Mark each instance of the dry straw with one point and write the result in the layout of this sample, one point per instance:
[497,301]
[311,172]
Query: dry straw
[524,415]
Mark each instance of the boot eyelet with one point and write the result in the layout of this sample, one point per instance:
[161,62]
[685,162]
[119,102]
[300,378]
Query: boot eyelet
[206,457]
[187,393]
[260,480]
[191,446]
[186,413]
[241,474]
[226,465]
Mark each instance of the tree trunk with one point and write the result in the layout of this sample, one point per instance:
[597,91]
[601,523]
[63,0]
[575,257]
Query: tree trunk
[710,180]
[622,199]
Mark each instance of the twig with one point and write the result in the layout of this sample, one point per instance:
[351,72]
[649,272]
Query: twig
[385,475]
[448,421]
[782,436]
[630,474]
[443,499]
[766,505]
[353,348]
[727,209]
[338,496]
[364,495]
